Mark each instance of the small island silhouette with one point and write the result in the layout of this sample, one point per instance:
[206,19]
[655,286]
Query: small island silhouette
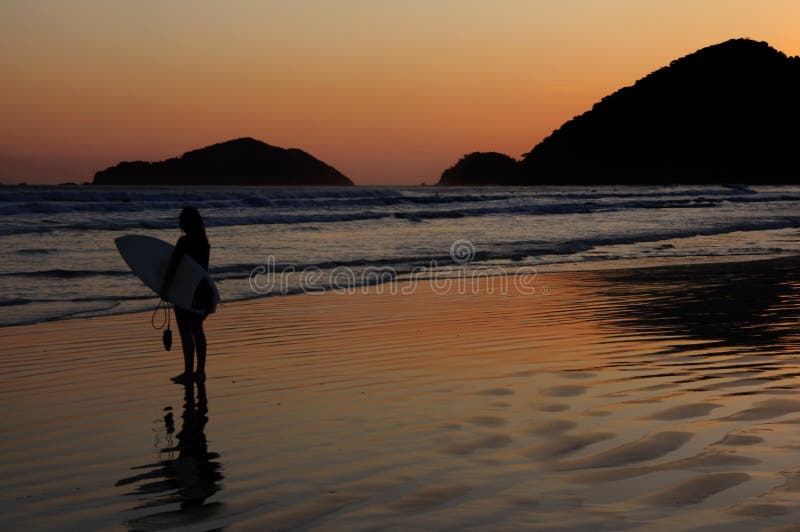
[482,168]
[244,161]
[726,113]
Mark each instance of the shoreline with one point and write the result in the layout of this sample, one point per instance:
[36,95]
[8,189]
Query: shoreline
[547,269]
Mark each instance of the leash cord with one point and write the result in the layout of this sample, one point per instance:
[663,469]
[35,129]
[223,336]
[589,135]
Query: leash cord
[166,322]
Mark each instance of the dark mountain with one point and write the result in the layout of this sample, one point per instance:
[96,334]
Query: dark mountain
[242,161]
[729,112]
[726,113]
[481,168]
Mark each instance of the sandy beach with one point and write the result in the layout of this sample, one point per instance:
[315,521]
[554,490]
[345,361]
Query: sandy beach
[658,398]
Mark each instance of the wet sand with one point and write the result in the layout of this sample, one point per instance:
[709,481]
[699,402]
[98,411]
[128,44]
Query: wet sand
[658,398]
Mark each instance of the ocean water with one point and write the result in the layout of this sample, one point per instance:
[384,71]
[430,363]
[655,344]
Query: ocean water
[60,260]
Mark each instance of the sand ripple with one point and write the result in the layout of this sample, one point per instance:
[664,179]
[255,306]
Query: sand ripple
[647,448]
[696,490]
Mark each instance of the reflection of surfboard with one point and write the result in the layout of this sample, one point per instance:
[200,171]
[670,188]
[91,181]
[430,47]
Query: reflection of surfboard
[148,257]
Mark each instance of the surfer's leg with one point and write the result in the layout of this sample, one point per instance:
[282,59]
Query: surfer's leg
[187,342]
[200,346]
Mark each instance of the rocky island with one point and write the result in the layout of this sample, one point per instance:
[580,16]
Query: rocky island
[482,168]
[726,113]
[243,161]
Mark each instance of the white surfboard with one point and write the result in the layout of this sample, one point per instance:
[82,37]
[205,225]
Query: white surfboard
[149,257]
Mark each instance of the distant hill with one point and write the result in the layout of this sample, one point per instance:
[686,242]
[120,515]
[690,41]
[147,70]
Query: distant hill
[729,112]
[726,113]
[244,161]
[481,168]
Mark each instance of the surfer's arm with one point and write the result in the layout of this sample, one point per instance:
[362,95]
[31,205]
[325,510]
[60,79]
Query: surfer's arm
[172,267]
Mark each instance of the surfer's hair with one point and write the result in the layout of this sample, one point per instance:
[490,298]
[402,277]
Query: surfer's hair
[191,222]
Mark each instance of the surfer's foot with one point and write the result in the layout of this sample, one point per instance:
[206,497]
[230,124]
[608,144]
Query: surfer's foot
[199,376]
[183,378]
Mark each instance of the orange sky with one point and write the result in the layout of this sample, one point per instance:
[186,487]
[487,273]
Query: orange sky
[387,92]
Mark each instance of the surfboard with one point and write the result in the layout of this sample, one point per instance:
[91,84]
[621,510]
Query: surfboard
[149,257]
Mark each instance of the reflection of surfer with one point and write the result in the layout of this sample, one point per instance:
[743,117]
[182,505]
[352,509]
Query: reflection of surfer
[195,472]
[190,324]
[187,473]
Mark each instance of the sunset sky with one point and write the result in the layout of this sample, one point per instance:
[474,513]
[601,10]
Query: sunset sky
[387,92]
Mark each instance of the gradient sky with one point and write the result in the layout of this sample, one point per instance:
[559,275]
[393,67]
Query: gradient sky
[388,92]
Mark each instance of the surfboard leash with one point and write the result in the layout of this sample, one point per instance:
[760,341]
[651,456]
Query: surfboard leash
[166,337]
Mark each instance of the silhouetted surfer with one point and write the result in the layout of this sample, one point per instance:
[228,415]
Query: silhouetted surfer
[190,324]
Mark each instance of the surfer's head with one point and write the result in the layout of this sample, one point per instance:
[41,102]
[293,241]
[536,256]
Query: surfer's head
[191,222]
